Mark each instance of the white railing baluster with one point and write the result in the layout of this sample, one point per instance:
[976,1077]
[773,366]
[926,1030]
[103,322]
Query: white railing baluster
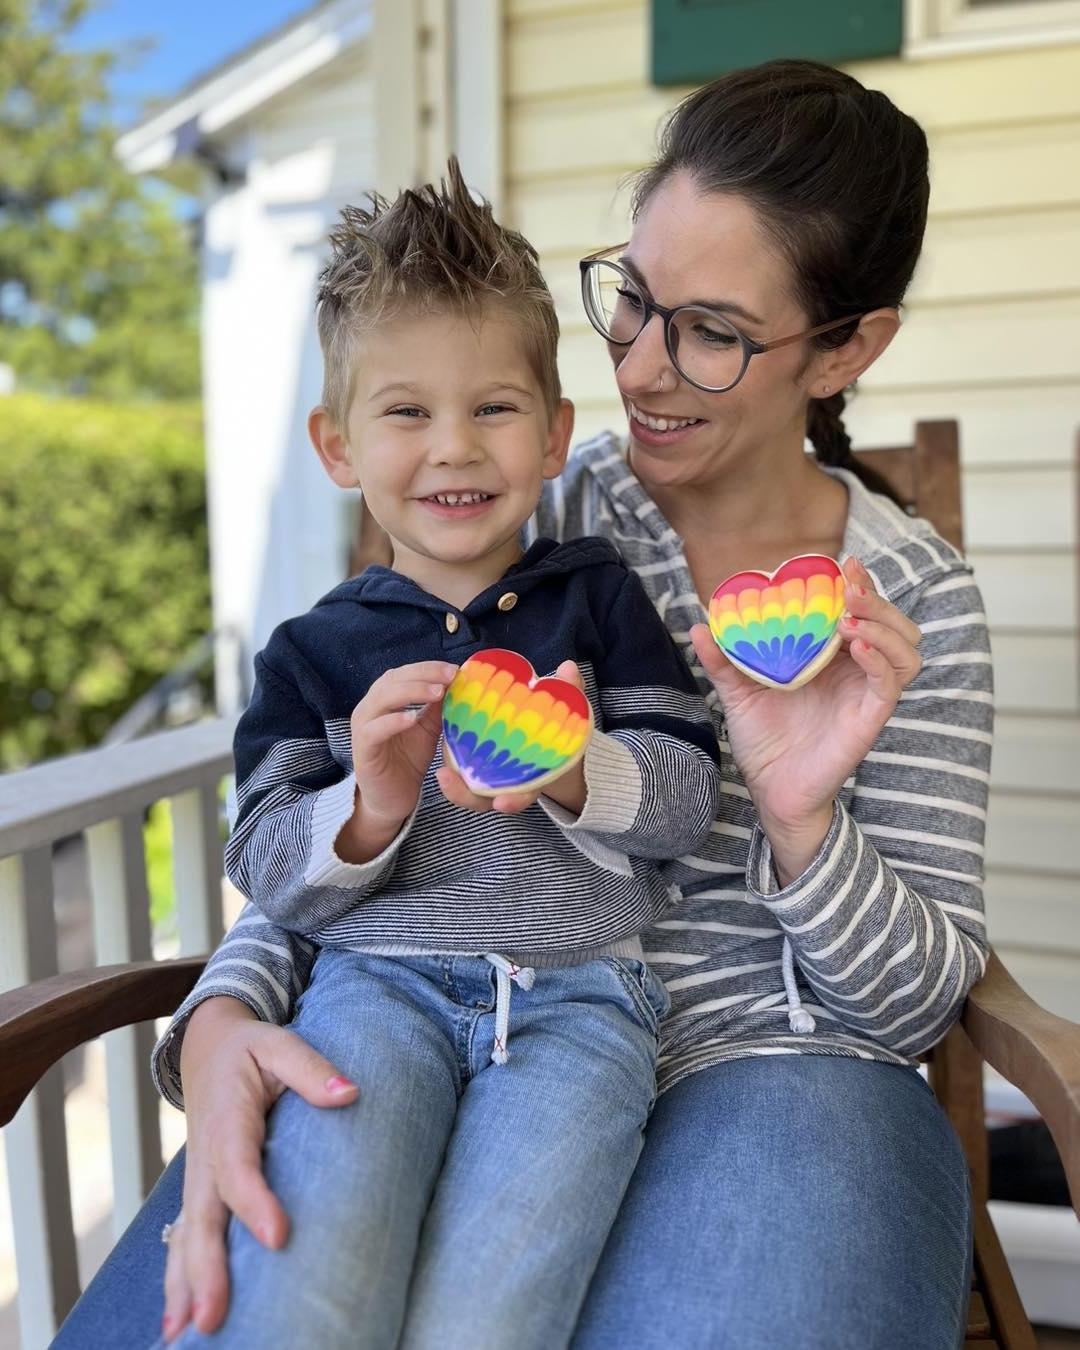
[36,1140]
[197,869]
[121,909]
[103,794]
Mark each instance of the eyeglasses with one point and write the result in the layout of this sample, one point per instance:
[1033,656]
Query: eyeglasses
[705,348]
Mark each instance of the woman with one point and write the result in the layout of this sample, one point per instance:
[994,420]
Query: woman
[798,1185]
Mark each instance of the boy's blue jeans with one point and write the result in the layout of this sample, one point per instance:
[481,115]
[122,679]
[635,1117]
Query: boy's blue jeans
[457,1203]
[792,1200]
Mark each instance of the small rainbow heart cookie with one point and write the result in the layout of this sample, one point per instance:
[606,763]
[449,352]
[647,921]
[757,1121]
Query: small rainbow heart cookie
[780,629]
[506,730]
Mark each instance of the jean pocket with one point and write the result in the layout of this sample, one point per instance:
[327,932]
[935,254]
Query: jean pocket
[645,991]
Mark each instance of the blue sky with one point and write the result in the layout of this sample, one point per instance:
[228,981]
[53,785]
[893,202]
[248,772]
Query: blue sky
[189,36]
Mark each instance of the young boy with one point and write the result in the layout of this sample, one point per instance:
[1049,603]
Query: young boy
[460,1201]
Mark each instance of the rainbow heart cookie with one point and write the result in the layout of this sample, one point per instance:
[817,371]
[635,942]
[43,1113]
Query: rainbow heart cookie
[780,629]
[506,730]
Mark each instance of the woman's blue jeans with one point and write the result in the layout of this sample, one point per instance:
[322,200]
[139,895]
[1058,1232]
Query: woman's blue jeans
[804,1201]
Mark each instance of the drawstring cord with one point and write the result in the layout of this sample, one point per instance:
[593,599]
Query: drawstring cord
[505,972]
[799,1019]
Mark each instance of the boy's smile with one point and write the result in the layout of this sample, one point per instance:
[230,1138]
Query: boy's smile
[450,437]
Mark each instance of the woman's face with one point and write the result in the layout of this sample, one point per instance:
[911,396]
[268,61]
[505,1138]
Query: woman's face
[689,245]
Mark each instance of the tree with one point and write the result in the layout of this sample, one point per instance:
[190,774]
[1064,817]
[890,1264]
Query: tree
[98,276]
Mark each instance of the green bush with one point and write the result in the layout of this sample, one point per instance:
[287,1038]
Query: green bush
[104,576]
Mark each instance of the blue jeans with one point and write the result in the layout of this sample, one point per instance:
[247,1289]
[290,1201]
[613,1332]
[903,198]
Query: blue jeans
[457,1203]
[790,1200]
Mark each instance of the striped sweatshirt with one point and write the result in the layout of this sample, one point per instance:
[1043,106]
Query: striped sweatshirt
[886,924]
[545,886]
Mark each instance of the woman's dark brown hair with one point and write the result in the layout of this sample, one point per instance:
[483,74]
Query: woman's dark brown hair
[838,176]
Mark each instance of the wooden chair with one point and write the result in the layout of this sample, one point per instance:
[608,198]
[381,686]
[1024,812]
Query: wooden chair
[1033,1049]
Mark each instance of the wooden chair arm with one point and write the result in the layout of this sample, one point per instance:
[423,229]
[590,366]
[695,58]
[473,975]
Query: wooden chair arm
[1034,1049]
[41,1022]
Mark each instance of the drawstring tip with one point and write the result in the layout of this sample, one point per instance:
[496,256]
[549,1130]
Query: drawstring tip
[526,977]
[800,1021]
[500,1055]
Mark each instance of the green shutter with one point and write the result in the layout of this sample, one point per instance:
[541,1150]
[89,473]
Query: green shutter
[696,40]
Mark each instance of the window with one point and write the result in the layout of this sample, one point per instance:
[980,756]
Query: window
[943,27]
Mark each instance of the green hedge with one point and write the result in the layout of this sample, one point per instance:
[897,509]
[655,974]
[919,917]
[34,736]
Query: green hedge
[104,576]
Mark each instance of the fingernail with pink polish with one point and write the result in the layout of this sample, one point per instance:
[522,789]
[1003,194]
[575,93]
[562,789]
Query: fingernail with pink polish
[338,1084]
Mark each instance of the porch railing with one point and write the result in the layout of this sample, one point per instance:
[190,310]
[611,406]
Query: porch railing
[101,795]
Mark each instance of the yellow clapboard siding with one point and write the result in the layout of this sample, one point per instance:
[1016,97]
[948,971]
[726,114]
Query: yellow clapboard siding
[1001,168]
[1023,254]
[526,10]
[985,169]
[1037,754]
[607,49]
[1025,909]
[977,176]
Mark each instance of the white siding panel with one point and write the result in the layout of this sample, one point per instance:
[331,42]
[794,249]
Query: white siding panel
[1024,910]
[1038,755]
[1008,508]
[1028,590]
[1035,672]
[1004,425]
[1037,835]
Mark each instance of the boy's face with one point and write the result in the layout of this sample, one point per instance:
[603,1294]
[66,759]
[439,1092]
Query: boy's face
[450,437]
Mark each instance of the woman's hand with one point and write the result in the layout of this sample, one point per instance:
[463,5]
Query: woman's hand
[568,789]
[796,749]
[234,1068]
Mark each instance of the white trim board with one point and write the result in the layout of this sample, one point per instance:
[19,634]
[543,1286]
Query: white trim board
[955,27]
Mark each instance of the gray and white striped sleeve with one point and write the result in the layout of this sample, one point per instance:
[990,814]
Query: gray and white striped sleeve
[887,923]
[262,965]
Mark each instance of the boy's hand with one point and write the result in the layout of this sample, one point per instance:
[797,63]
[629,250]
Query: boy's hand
[392,751]
[568,789]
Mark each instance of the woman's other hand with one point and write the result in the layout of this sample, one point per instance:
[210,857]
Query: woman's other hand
[795,749]
[234,1068]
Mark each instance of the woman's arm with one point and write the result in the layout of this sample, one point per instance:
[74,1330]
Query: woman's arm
[887,922]
[886,918]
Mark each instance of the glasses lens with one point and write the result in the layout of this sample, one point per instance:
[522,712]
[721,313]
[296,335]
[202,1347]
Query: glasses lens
[707,349]
[614,304]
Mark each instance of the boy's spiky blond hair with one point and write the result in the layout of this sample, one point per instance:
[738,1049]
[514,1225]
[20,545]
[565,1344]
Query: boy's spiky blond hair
[432,248]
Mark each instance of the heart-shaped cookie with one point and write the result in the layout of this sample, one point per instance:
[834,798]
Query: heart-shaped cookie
[780,629]
[506,730]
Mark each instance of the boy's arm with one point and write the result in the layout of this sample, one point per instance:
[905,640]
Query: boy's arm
[652,774]
[294,802]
